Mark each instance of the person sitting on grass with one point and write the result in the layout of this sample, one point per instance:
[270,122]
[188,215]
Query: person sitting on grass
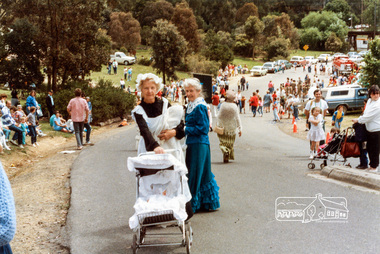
[59,123]
[19,109]
[5,130]
[24,127]
[11,124]
[70,125]
[16,114]
[3,138]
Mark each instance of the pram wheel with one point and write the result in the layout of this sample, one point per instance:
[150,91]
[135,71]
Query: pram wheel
[322,165]
[134,244]
[311,165]
[142,231]
[188,237]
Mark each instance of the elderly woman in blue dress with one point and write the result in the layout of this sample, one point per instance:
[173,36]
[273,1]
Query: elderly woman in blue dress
[203,187]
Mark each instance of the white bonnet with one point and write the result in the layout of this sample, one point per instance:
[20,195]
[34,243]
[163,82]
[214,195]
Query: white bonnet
[142,77]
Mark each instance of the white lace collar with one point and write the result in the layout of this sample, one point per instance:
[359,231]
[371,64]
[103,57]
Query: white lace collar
[193,104]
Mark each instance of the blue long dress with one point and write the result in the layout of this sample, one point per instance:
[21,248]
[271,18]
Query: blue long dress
[203,187]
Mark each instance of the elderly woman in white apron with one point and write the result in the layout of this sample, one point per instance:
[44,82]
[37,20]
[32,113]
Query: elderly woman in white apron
[160,125]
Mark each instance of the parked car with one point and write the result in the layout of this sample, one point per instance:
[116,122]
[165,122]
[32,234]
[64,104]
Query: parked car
[299,60]
[311,60]
[356,59]
[258,71]
[322,58]
[286,62]
[363,53]
[270,67]
[122,58]
[350,96]
[336,55]
[350,54]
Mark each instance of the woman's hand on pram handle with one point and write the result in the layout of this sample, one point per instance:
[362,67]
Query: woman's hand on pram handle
[355,120]
[159,150]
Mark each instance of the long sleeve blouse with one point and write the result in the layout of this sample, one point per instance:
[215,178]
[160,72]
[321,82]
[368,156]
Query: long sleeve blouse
[197,126]
[371,116]
[153,110]
[31,101]
[7,210]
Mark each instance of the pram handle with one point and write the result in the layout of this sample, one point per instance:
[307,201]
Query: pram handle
[151,153]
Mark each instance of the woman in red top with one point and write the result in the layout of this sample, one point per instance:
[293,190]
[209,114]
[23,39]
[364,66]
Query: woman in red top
[223,93]
[254,103]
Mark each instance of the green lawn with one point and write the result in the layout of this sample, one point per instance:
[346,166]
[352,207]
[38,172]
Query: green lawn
[248,61]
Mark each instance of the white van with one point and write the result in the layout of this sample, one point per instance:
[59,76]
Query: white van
[350,96]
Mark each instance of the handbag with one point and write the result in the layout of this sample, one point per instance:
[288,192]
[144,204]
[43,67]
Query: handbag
[39,113]
[219,130]
[349,149]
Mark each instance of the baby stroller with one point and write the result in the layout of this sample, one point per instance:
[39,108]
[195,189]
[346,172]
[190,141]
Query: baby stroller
[333,149]
[161,196]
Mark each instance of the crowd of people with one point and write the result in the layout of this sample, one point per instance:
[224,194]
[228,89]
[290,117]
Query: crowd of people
[13,118]
[26,123]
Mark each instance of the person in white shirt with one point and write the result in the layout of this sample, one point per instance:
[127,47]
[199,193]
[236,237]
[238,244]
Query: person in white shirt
[122,84]
[317,102]
[238,100]
[371,119]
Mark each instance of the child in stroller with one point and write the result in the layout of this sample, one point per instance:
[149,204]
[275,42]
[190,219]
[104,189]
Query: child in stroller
[323,148]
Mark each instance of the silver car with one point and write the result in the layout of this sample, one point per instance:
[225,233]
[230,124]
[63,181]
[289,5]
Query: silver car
[258,71]
[270,67]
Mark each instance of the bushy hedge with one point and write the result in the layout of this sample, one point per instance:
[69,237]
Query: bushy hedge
[144,61]
[277,47]
[199,64]
[107,101]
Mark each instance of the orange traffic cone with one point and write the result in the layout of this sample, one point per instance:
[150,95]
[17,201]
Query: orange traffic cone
[294,120]
[294,127]
[327,137]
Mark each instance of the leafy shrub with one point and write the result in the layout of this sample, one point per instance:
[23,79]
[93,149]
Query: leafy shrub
[107,101]
[277,47]
[199,64]
[144,61]
[333,43]
[243,46]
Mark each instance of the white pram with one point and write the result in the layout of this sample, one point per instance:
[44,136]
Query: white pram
[161,196]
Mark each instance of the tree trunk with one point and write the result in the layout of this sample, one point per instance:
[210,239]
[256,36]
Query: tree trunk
[54,74]
[49,81]
[64,78]
[253,49]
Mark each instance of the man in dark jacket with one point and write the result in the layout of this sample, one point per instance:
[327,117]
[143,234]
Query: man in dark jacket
[50,103]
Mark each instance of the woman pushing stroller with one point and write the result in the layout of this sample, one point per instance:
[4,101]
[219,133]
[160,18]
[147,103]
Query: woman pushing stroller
[161,127]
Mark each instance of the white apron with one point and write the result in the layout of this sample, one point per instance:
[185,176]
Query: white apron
[169,119]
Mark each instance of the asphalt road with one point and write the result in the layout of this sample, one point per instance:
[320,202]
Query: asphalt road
[269,164]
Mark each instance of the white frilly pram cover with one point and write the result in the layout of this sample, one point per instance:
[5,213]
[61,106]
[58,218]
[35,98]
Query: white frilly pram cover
[161,191]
